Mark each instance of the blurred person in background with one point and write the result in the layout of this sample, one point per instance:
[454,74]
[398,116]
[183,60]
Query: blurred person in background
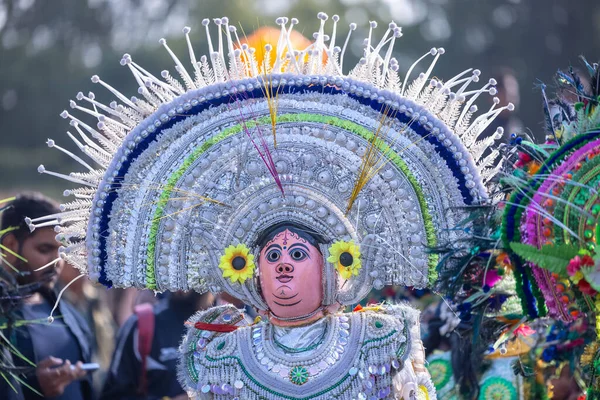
[59,348]
[121,302]
[144,364]
[91,302]
[11,298]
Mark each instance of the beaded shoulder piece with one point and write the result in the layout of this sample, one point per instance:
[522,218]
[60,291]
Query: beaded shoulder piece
[359,355]
[190,167]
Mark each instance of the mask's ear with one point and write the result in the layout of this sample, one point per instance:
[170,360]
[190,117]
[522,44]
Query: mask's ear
[329,277]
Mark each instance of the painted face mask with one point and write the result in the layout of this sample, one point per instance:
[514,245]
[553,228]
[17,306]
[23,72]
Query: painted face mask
[291,275]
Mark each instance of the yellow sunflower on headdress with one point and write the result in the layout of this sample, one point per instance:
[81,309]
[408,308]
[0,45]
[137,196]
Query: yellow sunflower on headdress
[237,263]
[346,258]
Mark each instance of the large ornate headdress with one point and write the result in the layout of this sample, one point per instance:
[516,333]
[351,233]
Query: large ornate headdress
[237,145]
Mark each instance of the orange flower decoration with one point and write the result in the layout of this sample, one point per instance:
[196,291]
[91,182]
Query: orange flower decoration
[269,35]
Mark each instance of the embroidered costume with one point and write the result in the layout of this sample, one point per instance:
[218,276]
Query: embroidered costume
[358,354]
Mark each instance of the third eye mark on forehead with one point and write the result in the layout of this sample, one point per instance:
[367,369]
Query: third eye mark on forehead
[284,234]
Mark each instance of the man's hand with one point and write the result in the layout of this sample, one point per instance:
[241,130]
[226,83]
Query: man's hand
[54,376]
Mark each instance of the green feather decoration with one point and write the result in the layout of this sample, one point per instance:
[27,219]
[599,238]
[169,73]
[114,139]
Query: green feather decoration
[521,367]
[554,258]
[536,147]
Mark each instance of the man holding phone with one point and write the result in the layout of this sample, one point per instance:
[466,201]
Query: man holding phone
[61,348]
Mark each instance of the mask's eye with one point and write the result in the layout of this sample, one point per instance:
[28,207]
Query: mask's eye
[298,254]
[273,255]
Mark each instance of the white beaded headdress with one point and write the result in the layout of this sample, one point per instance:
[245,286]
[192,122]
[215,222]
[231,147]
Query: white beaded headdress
[175,176]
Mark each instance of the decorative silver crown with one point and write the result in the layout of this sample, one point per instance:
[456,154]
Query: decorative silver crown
[185,170]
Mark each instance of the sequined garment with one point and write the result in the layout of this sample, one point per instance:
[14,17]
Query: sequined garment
[352,356]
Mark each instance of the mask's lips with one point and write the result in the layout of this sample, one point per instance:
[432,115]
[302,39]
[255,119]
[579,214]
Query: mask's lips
[284,278]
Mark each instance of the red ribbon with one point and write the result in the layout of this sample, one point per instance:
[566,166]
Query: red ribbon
[223,328]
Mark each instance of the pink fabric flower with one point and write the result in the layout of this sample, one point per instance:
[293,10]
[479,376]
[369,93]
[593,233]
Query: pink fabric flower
[491,278]
[574,266]
[524,330]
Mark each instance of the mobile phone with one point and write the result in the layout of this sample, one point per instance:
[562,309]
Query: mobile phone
[88,366]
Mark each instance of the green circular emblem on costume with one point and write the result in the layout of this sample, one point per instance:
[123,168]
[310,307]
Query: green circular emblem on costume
[298,375]
[440,371]
[378,324]
[497,388]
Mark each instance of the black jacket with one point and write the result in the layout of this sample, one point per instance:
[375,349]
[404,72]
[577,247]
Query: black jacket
[79,330]
[124,375]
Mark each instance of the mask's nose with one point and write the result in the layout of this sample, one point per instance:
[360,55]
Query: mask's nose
[284,268]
